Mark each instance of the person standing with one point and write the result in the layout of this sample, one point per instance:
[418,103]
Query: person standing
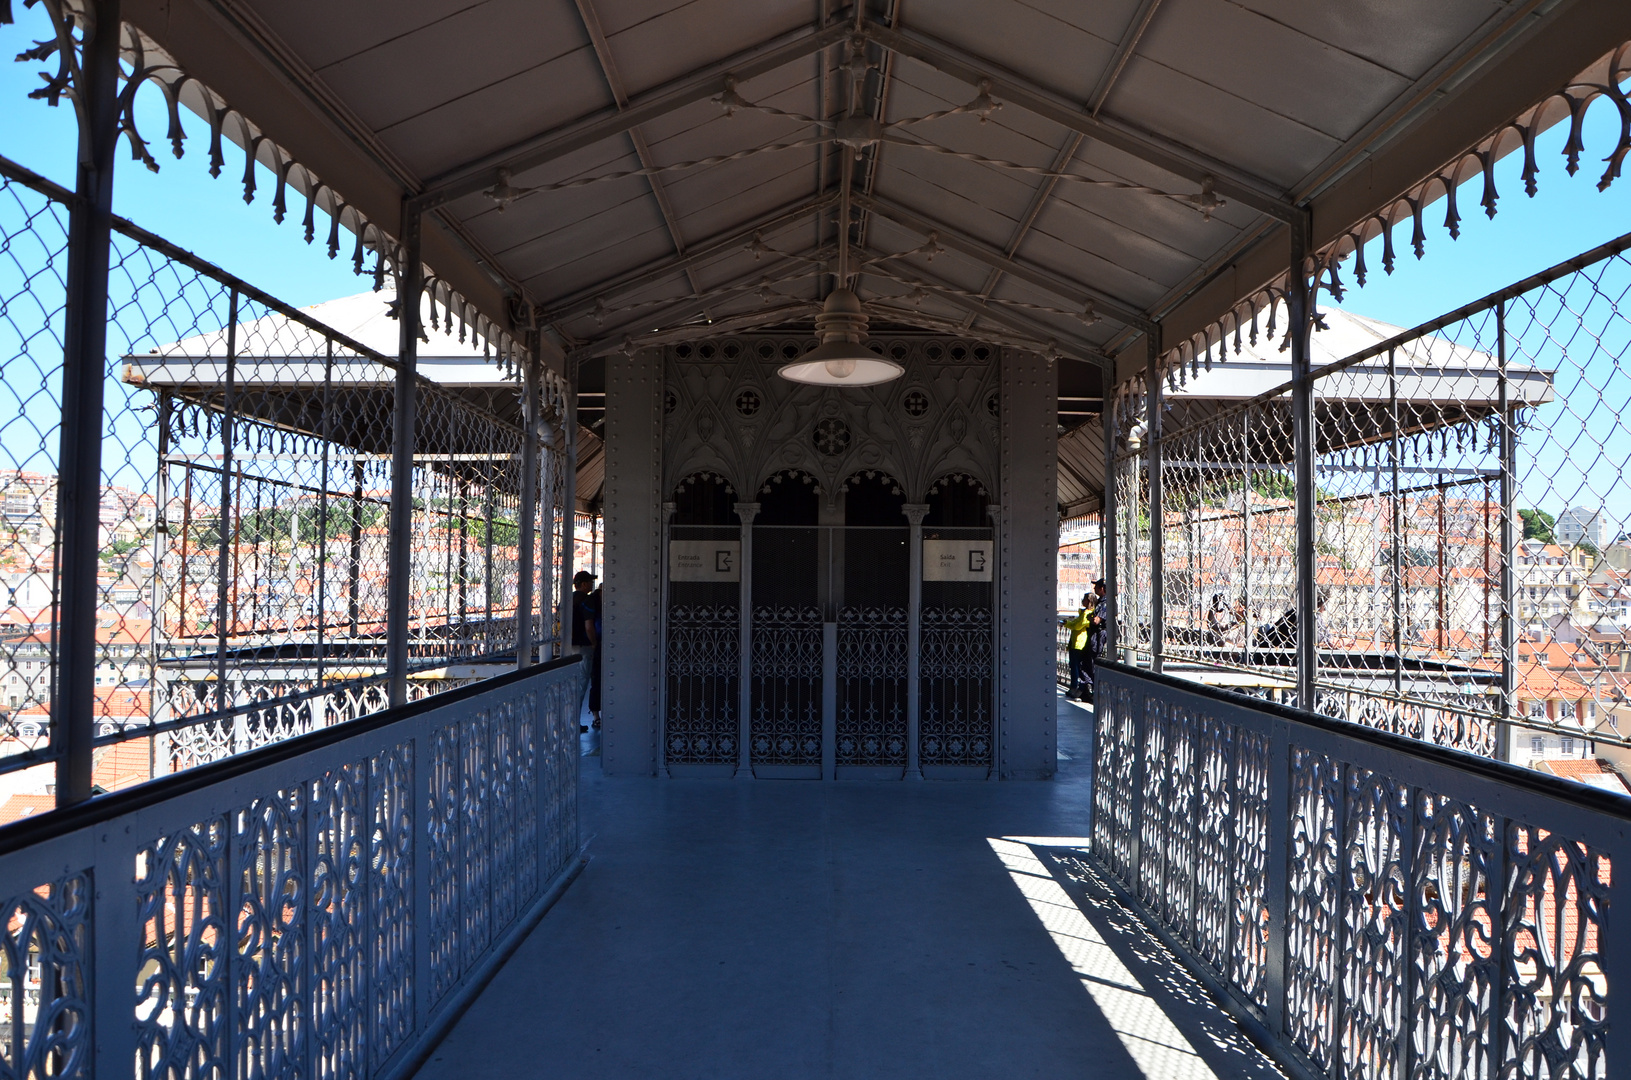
[1099,623]
[1080,630]
[584,635]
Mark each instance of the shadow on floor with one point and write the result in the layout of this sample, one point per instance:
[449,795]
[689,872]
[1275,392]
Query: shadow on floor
[800,929]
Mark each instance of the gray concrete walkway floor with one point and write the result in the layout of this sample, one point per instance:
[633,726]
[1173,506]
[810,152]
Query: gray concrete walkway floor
[794,929]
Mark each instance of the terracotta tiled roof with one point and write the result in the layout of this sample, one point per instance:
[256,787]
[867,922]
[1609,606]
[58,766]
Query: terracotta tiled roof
[18,807]
[1585,770]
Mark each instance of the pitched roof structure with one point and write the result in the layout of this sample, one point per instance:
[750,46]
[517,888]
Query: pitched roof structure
[1085,180]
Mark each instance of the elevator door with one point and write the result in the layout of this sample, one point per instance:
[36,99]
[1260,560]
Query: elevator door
[869,597]
[828,660]
[787,656]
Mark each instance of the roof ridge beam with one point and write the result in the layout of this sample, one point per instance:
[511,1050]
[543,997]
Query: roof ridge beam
[980,251]
[584,299]
[689,307]
[675,94]
[1227,180]
[1067,344]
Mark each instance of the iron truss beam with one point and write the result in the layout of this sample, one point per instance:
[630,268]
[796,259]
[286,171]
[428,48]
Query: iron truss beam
[954,240]
[583,301]
[676,94]
[1067,344]
[642,150]
[1075,140]
[1228,181]
[735,324]
[690,307]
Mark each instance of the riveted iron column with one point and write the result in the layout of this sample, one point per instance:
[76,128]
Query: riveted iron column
[1302,408]
[84,364]
[1152,460]
[1107,517]
[745,513]
[915,513]
[398,595]
[530,420]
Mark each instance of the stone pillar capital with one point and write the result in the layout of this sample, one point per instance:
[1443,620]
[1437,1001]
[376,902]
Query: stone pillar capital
[746,512]
[915,513]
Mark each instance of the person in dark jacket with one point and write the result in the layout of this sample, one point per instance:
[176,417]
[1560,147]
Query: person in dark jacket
[585,632]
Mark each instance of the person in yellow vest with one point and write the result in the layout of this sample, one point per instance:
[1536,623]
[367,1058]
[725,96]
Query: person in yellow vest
[1081,630]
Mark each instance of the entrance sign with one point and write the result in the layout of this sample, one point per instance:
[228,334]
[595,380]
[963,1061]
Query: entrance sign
[957,560]
[705,560]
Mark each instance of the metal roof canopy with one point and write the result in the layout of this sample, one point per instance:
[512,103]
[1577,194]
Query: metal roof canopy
[1276,108]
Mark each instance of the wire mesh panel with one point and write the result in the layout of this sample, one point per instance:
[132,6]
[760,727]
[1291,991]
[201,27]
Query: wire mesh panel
[1130,475]
[241,580]
[33,262]
[1229,534]
[1470,555]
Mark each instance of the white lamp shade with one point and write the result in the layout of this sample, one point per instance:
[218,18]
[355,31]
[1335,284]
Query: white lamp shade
[841,363]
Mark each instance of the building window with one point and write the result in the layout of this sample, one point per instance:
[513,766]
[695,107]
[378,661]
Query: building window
[1537,745]
[1567,745]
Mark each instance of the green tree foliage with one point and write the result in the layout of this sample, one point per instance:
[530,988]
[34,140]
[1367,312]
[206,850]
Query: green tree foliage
[1537,525]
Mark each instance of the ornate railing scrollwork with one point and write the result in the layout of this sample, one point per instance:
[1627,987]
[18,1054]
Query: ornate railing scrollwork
[871,725]
[954,673]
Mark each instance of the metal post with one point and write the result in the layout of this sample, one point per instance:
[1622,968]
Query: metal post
[1395,524]
[1158,562]
[569,508]
[489,508]
[320,602]
[1443,579]
[1302,407]
[84,364]
[160,599]
[354,573]
[745,513]
[1246,536]
[915,513]
[398,591]
[531,417]
[1107,518]
[1509,475]
[226,521]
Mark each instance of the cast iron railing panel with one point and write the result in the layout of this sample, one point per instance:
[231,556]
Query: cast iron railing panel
[1376,908]
[871,722]
[704,672]
[786,678]
[954,674]
[309,912]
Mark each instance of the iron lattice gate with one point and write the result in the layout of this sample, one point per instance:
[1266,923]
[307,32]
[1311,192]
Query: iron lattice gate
[787,655]
[703,684]
[871,722]
[954,677]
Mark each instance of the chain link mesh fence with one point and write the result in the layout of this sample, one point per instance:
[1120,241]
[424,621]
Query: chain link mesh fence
[1471,554]
[33,295]
[245,546]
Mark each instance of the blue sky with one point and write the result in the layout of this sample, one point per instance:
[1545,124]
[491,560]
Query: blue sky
[209,217]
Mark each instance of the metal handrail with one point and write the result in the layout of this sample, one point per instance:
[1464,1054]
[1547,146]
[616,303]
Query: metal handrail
[1365,903]
[364,881]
